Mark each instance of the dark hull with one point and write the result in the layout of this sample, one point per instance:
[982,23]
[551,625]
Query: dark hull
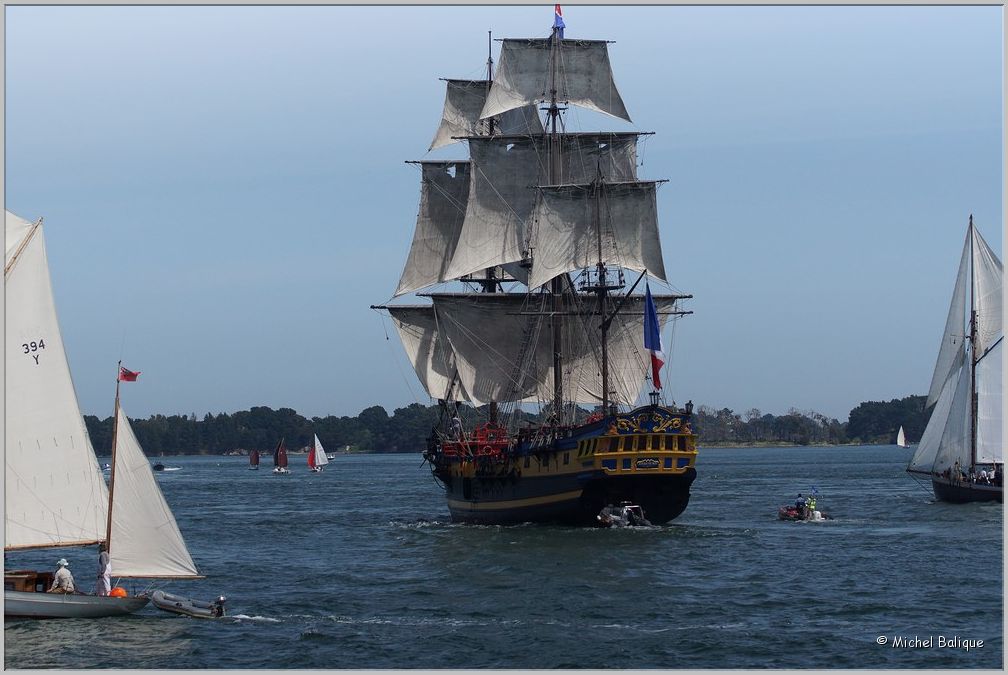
[645,457]
[964,492]
[571,500]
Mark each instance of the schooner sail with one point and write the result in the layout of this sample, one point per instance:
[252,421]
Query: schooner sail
[543,224]
[962,448]
[55,492]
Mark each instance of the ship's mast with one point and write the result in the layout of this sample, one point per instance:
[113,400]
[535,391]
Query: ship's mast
[973,354]
[556,285]
[489,280]
[112,472]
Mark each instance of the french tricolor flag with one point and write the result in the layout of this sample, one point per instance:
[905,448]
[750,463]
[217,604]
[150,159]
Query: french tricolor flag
[652,337]
[558,21]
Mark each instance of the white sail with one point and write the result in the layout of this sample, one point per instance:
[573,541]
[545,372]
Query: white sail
[584,76]
[566,228]
[54,494]
[320,456]
[901,438]
[990,441]
[956,437]
[954,335]
[145,540]
[923,460]
[16,231]
[988,279]
[464,100]
[428,350]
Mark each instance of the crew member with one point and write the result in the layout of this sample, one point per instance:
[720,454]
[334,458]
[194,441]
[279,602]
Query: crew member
[104,584]
[63,581]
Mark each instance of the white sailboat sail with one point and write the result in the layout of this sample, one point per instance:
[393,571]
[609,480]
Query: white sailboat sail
[930,442]
[55,494]
[320,455]
[145,540]
[990,441]
[969,367]
[901,438]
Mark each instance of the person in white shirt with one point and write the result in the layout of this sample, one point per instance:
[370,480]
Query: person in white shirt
[63,581]
[104,584]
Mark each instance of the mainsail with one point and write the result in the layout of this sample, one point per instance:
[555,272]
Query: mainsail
[55,494]
[145,540]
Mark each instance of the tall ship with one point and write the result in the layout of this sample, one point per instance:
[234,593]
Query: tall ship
[547,240]
[962,448]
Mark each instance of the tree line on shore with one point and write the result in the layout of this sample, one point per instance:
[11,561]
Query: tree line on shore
[406,429]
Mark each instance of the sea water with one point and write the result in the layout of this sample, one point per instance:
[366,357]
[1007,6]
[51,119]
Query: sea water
[360,567]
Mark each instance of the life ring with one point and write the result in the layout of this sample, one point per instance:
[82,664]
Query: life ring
[487,450]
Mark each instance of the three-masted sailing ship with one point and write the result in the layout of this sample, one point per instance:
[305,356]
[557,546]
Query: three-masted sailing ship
[545,229]
[55,493]
[962,448]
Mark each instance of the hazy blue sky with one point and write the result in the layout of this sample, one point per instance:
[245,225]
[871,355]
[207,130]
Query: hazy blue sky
[224,189]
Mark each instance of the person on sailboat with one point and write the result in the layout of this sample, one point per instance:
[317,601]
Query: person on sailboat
[63,581]
[456,427]
[104,584]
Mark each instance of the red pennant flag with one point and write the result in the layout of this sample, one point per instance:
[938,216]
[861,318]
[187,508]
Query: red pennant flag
[127,375]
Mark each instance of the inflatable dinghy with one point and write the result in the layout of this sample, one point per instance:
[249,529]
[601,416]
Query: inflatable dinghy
[176,604]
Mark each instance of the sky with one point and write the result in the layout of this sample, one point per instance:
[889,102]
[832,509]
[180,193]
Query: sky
[225,193]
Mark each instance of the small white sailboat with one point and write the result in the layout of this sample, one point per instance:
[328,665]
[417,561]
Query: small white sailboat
[317,457]
[55,494]
[901,438]
[962,448]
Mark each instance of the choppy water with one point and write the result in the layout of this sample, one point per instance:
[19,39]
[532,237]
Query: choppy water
[359,567]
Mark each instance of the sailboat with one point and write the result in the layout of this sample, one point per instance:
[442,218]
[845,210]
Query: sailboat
[901,438]
[542,227]
[254,460]
[55,494]
[317,457]
[280,458]
[962,444]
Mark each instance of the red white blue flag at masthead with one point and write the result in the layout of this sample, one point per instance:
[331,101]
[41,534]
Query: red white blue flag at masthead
[558,22]
[652,337]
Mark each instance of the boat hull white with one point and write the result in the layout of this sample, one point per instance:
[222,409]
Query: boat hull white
[30,605]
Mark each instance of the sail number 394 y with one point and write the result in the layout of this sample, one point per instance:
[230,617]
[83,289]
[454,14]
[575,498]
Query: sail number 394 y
[32,347]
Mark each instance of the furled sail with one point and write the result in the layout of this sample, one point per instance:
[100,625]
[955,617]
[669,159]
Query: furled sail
[505,171]
[427,349]
[55,494]
[990,441]
[145,540]
[954,335]
[564,231]
[584,76]
[464,100]
[444,193]
[502,347]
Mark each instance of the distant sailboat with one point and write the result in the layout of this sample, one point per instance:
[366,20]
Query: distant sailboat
[280,458]
[962,444]
[55,493]
[317,457]
[254,460]
[901,439]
